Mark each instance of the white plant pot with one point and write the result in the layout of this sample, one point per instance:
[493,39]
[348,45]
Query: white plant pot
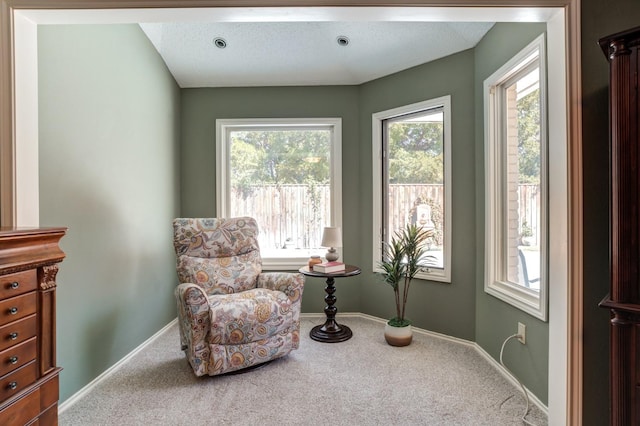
[398,336]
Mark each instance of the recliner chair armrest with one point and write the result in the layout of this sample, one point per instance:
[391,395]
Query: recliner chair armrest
[193,315]
[292,284]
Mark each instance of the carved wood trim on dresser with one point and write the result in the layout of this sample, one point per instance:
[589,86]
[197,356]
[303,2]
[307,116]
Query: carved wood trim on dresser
[623,300]
[28,373]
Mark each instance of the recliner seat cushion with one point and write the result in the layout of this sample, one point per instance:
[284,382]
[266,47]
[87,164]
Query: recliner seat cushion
[249,316]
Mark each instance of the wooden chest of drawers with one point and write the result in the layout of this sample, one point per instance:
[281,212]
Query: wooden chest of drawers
[28,371]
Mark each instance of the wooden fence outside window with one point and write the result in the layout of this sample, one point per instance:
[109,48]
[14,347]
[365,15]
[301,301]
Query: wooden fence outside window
[293,216]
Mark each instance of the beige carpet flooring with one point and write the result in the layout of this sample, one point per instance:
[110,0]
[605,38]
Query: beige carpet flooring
[362,381]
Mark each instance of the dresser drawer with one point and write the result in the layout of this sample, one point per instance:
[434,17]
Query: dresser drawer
[17,356]
[17,332]
[17,307]
[14,382]
[18,283]
[22,411]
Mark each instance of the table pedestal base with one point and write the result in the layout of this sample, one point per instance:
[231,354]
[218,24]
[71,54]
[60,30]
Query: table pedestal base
[330,332]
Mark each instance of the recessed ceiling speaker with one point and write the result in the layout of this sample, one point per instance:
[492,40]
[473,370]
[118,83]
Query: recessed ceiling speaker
[342,40]
[219,42]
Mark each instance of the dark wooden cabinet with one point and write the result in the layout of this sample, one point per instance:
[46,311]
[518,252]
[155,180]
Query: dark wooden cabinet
[28,371]
[621,50]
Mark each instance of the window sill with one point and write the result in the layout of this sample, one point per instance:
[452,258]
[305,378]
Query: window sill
[439,275]
[529,301]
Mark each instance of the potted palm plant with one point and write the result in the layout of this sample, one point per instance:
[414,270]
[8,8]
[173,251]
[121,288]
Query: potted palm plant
[403,257]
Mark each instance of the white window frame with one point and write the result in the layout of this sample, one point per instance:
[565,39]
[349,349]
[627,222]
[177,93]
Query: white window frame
[432,274]
[223,165]
[529,301]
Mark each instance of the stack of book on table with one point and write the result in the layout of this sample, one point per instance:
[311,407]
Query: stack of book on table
[328,267]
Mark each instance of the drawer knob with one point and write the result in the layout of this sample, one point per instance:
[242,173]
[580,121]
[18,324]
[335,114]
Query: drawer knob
[13,310]
[13,360]
[13,336]
[12,385]
[14,285]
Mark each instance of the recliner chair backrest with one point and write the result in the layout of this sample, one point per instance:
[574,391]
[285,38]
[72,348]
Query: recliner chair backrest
[220,255]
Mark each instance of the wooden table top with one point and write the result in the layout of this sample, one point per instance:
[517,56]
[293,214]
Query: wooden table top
[349,271]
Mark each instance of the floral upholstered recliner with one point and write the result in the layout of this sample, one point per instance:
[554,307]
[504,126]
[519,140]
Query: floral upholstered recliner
[232,315]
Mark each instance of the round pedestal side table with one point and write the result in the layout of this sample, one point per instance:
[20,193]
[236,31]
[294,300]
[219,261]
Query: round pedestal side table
[331,331]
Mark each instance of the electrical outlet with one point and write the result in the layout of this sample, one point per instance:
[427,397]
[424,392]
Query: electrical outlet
[522,333]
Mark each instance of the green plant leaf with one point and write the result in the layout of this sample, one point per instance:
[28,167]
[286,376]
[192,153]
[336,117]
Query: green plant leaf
[402,259]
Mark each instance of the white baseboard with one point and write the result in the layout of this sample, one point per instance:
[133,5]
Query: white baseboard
[384,321]
[115,367]
[532,397]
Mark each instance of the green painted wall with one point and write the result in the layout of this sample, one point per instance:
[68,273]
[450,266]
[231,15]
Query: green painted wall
[200,109]
[430,303]
[599,19]
[496,320]
[109,134]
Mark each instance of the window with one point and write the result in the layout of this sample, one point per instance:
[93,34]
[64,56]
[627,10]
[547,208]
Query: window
[516,182]
[412,176]
[286,173]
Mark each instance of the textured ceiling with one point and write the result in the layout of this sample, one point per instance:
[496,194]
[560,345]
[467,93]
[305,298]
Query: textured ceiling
[304,53]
